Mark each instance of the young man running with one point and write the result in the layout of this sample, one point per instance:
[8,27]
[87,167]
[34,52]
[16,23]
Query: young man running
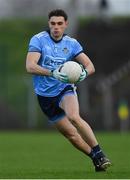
[48,50]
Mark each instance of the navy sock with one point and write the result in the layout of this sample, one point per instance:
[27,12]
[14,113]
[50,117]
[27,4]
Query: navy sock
[96,148]
[97,151]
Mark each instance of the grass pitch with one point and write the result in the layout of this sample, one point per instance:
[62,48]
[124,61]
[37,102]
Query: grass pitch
[45,155]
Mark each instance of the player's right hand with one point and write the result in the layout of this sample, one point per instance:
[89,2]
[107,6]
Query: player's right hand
[60,76]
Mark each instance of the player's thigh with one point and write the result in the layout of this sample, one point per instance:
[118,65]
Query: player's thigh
[65,127]
[70,105]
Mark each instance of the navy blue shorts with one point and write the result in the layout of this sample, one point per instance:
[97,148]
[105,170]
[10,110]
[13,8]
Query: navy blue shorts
[50,105]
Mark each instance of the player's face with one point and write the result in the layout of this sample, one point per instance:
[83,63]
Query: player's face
[57,25]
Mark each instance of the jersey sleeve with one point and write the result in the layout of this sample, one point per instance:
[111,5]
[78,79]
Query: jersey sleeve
[77,48]
[34,45]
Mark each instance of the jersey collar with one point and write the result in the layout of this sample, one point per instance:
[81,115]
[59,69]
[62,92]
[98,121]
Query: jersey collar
[56,41]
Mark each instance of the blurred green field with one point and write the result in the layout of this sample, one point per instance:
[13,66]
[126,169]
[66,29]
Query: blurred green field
[50,156]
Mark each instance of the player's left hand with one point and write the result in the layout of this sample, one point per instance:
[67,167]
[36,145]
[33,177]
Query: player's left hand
[83,75]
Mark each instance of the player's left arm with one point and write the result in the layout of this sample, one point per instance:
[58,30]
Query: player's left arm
[83,59]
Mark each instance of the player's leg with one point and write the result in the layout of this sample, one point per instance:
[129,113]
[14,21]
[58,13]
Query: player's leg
[71,107]
[71,133]
[50,106]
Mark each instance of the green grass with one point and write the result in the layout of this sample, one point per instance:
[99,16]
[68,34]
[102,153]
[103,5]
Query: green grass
[49,155]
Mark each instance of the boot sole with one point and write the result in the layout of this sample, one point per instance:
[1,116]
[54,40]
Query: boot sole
[106,165]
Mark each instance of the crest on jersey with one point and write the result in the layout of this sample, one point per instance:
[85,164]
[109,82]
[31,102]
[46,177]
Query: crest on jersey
[65,50]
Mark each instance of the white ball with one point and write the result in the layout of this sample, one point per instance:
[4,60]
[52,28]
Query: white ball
[72,69]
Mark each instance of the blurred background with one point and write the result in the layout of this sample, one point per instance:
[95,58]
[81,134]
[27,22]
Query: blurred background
[103,29]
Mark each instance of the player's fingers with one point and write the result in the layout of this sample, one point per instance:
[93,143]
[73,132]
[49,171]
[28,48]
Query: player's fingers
[63,75]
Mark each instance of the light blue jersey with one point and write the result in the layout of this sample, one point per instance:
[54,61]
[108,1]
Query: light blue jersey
[53,54]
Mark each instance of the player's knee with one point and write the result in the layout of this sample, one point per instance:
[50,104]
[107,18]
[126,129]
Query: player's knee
[72,135]
[74,118]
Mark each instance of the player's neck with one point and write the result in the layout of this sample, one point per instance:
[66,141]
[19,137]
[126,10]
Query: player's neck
[55,39]
[58,38]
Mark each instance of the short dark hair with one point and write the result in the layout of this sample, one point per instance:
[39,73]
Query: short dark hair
[58,12]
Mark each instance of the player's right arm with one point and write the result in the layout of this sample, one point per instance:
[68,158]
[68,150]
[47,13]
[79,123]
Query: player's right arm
[33,67]
[33,56]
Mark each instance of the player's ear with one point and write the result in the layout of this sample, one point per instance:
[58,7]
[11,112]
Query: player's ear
[67,22]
